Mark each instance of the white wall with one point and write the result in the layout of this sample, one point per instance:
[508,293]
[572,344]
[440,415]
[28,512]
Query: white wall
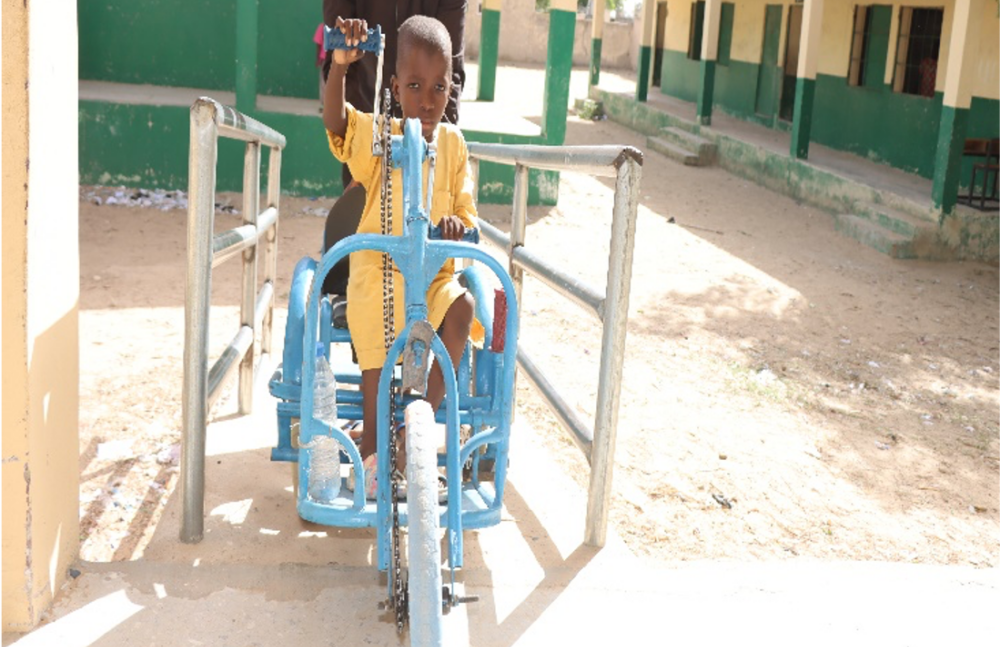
[524,35]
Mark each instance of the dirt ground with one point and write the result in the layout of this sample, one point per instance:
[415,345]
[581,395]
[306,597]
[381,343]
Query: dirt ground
[787,392]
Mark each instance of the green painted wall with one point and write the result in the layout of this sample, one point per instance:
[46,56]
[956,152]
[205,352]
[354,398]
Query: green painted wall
[680,76]
[192,43]
[163,42]
[147,146]
[735,85]
[877,123]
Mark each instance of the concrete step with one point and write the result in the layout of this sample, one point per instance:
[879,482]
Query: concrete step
[704,148]
[893,219]
[870,233]
[673,151]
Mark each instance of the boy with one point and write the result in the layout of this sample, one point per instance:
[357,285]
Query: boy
[421,86]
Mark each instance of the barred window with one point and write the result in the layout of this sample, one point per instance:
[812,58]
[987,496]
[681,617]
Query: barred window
[859,45]
[917,51]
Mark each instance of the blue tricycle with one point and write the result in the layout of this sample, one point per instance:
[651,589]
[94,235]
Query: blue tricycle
[479,399]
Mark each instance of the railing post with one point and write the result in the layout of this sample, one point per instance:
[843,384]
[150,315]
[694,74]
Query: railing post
[270,260]
[201,212]
[251,208]
[612,348]
[518,227]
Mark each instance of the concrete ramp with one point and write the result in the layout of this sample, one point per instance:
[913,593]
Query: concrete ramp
[263,577]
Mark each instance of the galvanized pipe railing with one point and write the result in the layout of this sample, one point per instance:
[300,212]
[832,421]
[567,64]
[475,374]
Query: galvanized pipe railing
[203,385]
[611,308]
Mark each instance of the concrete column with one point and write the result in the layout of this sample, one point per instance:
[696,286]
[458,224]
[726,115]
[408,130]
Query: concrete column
[645,71]
[40,349]
[489,47]
[562,31]
[596,39]
[709,54]
[957,99]
[246,55]
[805,81]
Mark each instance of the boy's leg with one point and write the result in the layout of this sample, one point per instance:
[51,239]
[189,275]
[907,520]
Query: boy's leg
[454,333]
[369,408]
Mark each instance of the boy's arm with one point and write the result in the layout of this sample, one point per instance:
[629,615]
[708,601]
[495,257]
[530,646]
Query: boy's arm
[334,108]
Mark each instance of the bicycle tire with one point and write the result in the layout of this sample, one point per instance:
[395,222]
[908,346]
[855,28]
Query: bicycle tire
[423,541]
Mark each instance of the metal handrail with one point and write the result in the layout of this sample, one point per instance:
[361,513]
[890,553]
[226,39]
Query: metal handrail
[611,308]
[203,385]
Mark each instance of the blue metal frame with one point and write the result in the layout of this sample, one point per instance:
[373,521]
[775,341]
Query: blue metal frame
[418,256]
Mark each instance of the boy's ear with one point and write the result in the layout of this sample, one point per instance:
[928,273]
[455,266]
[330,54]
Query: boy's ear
[394,84]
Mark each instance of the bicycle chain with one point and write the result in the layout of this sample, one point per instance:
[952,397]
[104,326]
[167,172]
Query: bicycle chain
[399,601]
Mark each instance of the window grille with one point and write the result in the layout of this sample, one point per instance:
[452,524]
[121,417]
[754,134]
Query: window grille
[917,51]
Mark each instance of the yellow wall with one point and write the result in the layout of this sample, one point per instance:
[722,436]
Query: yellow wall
[834,58]
[40,359]
[675,37]
[986,73]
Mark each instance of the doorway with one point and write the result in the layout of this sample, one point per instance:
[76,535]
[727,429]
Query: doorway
[658,46]
[793,43]
[769,72]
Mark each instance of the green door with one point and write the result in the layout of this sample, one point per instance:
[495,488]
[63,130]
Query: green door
[769,75]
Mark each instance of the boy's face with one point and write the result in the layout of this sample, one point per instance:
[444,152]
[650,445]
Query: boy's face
[422,85]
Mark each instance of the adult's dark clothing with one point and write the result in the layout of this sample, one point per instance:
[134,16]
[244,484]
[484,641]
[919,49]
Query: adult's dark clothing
[390,14]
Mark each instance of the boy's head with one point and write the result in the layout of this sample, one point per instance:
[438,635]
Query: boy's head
[422,82]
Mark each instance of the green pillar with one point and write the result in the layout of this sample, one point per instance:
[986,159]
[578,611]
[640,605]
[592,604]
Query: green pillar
[246,55]
[595,61]
[962,59]
[805,90]
[596,40]
[711,11]
[645,49]
[562,29]
[948,157]
[489,47]
[705,91]
[805,82]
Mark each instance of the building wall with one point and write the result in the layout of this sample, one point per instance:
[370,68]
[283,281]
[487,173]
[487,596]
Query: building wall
[192,43]
[524,35]
[40,308]
[876,122]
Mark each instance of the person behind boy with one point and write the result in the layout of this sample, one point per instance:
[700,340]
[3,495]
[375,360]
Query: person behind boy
[421,86]
[360,84]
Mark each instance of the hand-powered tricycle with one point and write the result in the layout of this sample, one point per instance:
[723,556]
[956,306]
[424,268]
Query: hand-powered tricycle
[478,396]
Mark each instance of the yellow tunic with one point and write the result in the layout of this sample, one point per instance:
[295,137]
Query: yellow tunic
[452,196]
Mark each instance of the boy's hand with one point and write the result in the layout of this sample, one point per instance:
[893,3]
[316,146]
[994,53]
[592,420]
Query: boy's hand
[355,31]
[452,228]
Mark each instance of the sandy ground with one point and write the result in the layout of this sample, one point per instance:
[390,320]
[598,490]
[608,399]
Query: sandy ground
[787,392]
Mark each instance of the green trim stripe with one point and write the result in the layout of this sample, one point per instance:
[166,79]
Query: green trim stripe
[642,85]
[488,50]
